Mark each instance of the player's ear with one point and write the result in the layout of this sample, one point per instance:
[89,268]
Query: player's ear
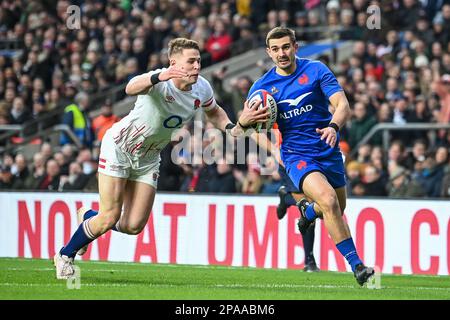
[296,46]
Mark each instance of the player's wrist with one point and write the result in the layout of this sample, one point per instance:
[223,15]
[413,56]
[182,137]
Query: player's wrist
[154,78]
[334,126]
[242,126]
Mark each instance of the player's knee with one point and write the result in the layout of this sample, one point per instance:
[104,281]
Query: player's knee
[132,229]
[329,203]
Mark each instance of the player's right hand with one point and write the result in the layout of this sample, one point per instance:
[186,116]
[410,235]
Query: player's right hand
[172,73]
[252,114]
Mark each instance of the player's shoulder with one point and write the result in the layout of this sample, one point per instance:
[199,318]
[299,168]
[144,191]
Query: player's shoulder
[261,83]
[311,63]
[202,86]
[202,82]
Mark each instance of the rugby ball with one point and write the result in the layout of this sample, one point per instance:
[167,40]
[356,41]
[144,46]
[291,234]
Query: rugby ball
[267,100]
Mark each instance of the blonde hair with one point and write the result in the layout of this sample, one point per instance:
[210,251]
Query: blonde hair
[177,45]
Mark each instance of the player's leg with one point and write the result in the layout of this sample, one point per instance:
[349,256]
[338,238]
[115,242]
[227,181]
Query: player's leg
[111,191]
[308,240]
[316,187]
[138,204]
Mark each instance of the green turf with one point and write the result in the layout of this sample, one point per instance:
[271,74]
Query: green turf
[35,279]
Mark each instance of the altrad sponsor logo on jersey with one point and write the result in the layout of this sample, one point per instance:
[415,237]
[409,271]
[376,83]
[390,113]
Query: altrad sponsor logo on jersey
[294,103]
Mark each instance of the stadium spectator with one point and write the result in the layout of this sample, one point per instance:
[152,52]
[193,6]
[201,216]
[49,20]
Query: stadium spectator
[104,121]
[6,177]
[51,178]
[223,180]
[372,181]
[360,125]
[19,113]
[20,172]
[75,116]
[401,185]
[75,180]
[219,43]
[252,182]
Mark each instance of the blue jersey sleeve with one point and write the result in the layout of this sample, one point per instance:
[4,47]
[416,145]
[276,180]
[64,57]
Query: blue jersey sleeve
[253,88]
[328,82]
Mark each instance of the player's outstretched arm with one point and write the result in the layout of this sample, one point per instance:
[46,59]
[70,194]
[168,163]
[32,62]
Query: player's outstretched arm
[141,84]
[340,116]
[248,117]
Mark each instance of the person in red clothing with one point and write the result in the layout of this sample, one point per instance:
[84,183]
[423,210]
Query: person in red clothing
[219,43]
[104,121]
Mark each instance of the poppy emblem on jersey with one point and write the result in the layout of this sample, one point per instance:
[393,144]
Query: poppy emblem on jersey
[303,79]
[196,103]
[301,165]
[170,99]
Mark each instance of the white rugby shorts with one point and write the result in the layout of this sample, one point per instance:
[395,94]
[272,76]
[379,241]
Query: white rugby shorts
[116,163]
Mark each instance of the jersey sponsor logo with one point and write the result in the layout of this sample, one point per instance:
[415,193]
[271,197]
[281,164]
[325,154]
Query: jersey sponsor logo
[172,122]
[301,165]
[303,79]
[295,112]
[273,90]
[296,101]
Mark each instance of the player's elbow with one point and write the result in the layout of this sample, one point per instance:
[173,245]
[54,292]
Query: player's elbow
[129,90]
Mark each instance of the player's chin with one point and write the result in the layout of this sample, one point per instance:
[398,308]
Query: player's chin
[284,64]
[193,79]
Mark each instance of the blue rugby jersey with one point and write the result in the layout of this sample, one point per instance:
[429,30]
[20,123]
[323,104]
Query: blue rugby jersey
[302,99]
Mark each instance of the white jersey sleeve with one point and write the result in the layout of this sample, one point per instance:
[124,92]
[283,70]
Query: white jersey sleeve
[207,92]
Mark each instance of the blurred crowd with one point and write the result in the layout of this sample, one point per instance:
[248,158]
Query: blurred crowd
[399,73]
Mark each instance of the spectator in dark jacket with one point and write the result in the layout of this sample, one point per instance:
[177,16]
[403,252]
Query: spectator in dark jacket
[50,181]
[360,125]
[223,181]
[76,180]
[21,172]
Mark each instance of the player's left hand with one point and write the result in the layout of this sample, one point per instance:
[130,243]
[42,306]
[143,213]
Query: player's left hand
[329,134]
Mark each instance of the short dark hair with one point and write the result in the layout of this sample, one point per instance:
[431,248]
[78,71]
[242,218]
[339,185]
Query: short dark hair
[280,32]
[177,45]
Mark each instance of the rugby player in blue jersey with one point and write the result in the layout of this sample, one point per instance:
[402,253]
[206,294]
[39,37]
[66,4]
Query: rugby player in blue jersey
[303,90]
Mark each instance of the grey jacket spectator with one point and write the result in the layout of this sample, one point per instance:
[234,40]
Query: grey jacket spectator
[401,185]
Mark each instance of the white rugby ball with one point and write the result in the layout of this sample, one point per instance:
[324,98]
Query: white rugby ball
[267,100]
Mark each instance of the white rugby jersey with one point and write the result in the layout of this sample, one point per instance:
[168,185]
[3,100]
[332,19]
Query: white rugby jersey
[148,128]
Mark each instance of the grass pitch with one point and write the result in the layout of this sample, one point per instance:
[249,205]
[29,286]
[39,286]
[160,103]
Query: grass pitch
[35,279]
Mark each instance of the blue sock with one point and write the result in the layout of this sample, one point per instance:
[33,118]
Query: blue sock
[348,250]
[89,214]
[310,213]
[289,200]
[80,238]
[92,213]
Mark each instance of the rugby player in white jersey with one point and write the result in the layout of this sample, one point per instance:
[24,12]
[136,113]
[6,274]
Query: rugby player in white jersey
[129,156]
